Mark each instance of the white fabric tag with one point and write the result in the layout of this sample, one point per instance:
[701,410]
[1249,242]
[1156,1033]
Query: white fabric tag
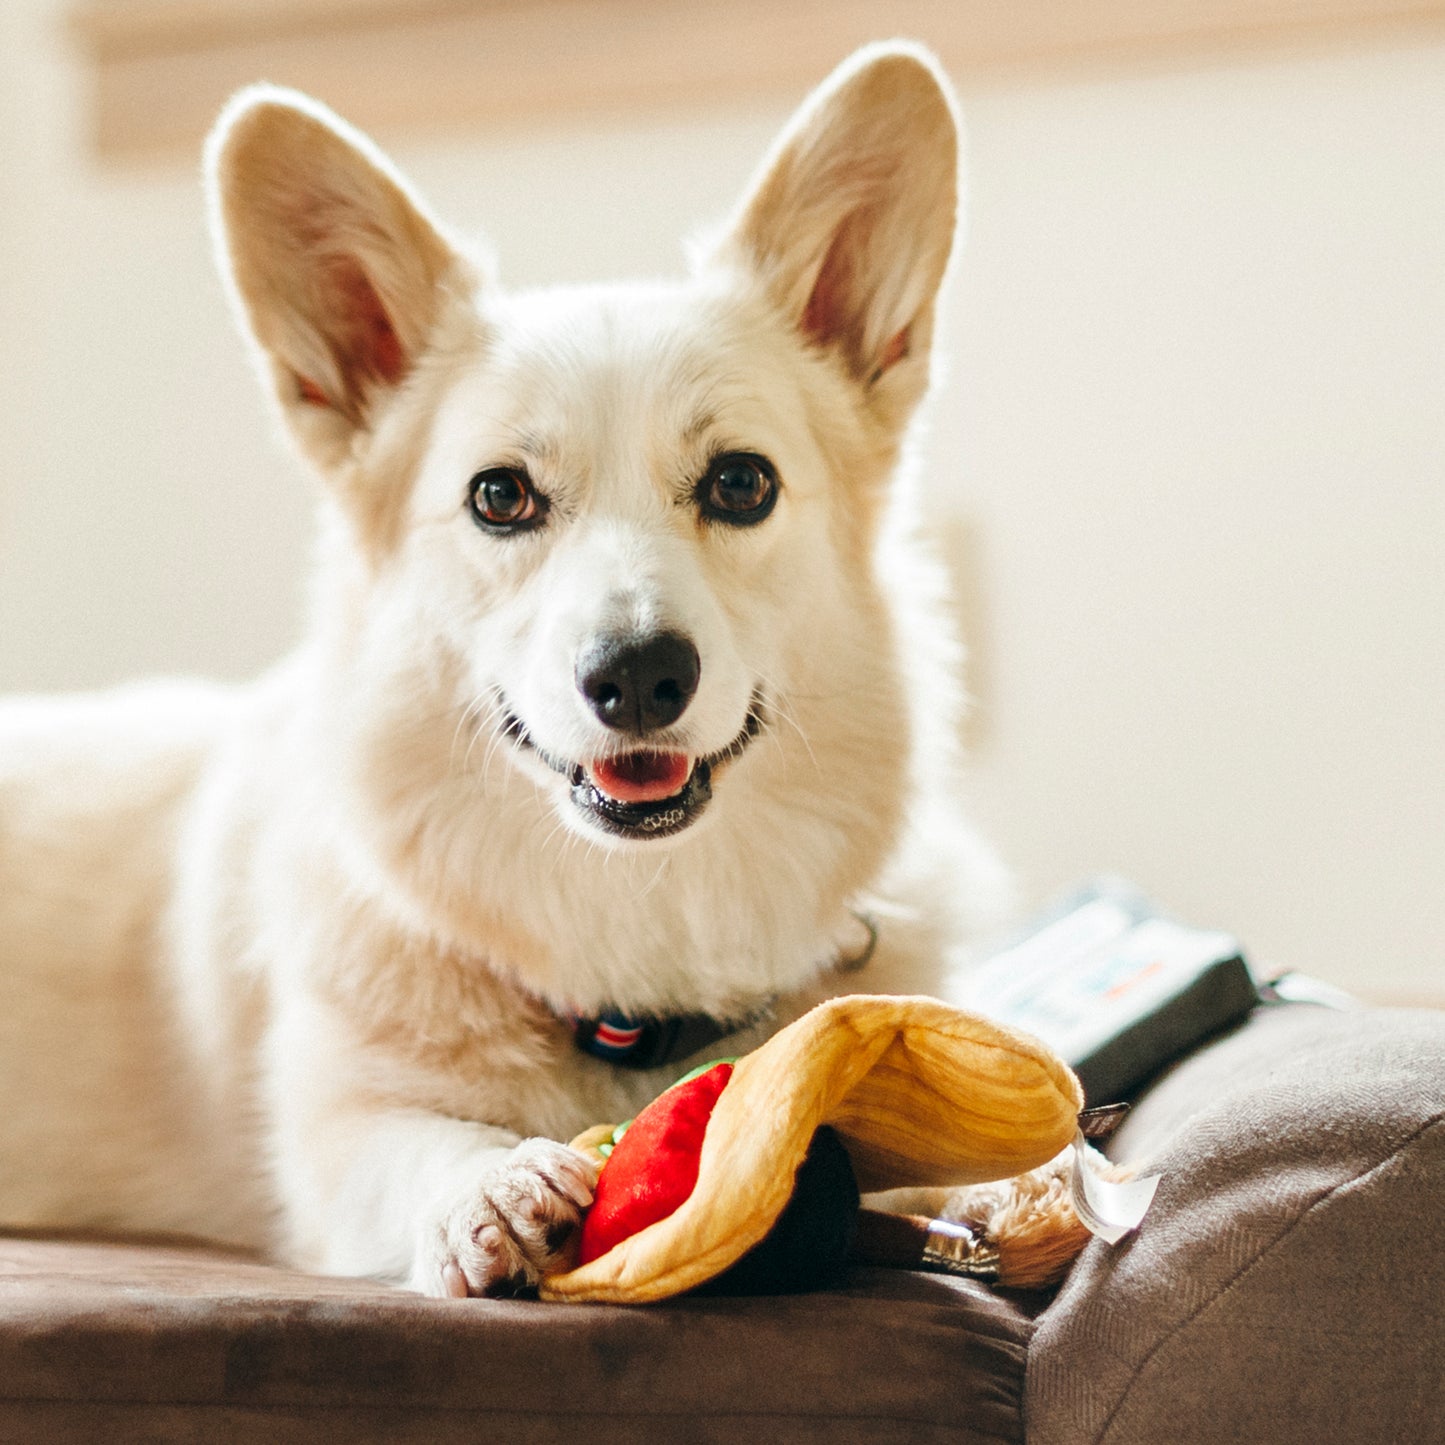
[1110,1210]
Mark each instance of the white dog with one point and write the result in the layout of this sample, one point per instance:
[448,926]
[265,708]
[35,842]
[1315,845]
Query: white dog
[623,701]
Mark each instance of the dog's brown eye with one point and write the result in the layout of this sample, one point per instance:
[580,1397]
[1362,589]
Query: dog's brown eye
[504,500]
[739,489]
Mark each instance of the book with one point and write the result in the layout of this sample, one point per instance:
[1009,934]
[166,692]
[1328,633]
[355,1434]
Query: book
[1114,985]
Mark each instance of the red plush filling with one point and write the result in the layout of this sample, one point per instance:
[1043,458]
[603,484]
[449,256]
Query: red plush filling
[654,1166]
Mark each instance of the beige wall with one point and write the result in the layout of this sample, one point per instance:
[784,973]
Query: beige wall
[1189,459]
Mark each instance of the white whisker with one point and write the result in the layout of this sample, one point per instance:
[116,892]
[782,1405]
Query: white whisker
[777,707]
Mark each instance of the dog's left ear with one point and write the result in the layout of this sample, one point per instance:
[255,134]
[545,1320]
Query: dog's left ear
[851,221]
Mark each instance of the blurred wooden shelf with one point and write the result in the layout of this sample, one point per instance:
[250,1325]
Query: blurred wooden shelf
[161,68]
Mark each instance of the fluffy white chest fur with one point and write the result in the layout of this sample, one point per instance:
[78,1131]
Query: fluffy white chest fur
[624,688]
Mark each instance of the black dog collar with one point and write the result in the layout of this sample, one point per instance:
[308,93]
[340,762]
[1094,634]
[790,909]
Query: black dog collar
[645,1043]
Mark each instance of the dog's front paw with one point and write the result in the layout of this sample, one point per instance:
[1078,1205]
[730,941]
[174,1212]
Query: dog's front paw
[522,1223]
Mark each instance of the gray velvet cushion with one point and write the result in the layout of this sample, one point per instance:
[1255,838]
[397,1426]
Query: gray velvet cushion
[118,1342]
[1289,1283]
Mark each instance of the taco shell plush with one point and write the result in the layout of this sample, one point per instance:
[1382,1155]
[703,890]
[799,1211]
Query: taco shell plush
[918,1094]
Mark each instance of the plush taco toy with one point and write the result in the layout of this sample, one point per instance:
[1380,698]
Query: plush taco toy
[747,1175]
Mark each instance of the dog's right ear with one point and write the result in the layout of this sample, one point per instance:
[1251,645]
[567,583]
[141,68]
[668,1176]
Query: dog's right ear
[335,267]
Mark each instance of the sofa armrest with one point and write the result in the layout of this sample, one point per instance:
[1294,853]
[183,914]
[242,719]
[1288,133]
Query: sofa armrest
[1287,1285]
[162,1340]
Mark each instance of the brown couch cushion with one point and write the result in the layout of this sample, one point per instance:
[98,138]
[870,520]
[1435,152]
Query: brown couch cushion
[1288,1285]
[163,1341]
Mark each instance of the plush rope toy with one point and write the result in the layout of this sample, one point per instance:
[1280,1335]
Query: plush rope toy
[746,1176]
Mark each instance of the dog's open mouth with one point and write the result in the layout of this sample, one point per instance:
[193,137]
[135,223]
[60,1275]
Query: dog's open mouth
[647,793]
[643,794]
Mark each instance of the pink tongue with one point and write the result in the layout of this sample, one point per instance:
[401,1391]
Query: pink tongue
[641,777]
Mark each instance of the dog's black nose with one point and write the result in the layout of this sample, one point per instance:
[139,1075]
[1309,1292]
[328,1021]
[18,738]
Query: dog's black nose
[639,684]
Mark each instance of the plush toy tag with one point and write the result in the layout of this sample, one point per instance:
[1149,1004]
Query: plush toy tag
[1111,1209]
